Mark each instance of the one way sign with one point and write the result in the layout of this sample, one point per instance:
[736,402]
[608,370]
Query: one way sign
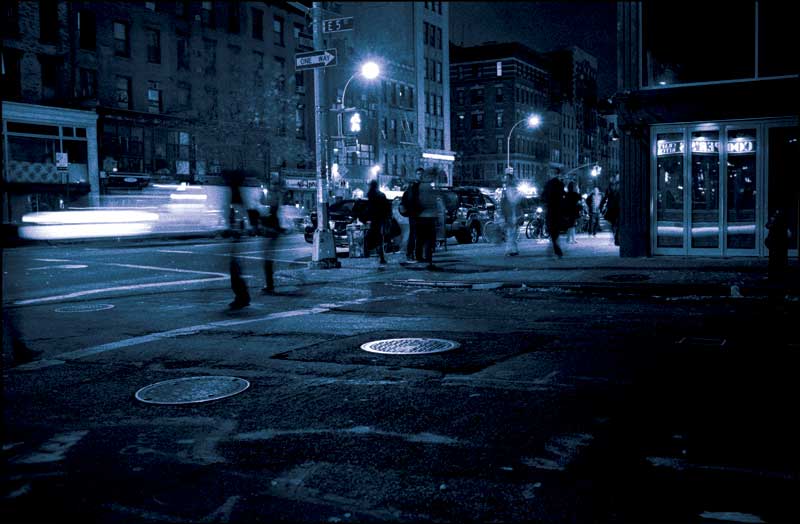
[315,59]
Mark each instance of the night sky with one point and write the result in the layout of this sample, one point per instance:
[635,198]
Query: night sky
[543,26]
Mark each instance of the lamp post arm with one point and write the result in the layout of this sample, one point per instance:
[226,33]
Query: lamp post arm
[508,142]
[579,167]
[344,91]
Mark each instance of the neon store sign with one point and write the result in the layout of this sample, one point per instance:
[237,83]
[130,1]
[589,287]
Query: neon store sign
[737,146]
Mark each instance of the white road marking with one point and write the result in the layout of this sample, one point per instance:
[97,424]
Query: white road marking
[54,449]
[50,260]
[171,269]
[425,438]
[175,251]
[562,449]
[62,266]
[731,516]
[117,288]
[191,330]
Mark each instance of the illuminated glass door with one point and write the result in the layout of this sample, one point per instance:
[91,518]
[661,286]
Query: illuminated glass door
[669,191]
[704,188]
[741,190]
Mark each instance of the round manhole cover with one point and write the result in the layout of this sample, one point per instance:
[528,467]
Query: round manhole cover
[627,277]
[409,346]
[84,308]
[191,390]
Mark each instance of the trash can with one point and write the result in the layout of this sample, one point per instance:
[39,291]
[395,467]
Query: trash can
[356,240]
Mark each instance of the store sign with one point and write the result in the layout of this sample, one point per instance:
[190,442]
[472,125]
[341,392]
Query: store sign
[741,146]
[669,147]
[301,183]
[62,161]
[705,146]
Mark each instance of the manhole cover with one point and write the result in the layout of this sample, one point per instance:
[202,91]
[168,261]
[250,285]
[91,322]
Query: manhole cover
[191,390]
[84,308]
[409,346]
[627,277]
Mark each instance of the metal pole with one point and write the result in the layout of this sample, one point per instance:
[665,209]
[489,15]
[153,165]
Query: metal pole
[323,255]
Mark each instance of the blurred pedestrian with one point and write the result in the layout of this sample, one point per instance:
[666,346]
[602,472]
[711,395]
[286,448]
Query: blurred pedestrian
[236,212]
[509,206]
[431,206]
[379,214]
[593,202]
[273,232]
[610,207]
[573,208]
[553,194]
[409,209]
[777,241]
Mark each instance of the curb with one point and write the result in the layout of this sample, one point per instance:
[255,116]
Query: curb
[651,290]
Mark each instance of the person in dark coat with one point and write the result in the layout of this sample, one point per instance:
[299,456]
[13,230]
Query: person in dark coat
[379,213]
[273,233]
[431,205]
[572,206]
[610,207]
[553,194]
[411,195]
[234,181]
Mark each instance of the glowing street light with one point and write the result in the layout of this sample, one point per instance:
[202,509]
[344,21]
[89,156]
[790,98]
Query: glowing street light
[369,70]
[533,122]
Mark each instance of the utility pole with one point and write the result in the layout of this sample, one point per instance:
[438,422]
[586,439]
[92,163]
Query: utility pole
[323,255]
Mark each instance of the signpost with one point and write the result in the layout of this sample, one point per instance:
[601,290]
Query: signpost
[315,59]
[335,25]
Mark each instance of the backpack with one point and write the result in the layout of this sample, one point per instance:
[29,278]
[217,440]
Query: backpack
[409,202]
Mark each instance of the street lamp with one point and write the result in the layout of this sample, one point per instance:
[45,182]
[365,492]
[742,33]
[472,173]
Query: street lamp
[533,122]
[369,70]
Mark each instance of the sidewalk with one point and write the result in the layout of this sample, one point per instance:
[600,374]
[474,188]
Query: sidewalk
[592,265]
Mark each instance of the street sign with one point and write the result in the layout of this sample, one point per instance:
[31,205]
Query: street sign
[335,25]
[315,59]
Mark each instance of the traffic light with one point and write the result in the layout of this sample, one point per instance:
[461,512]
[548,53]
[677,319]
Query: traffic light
[355,123]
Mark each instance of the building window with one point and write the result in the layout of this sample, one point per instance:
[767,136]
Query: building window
[498,94]
[183,54]
[182,8]
[667,61]
[10,18]
[122,43]
[234,25]
[258,68]
[438,71]
[48,21]
[498,117]
[411,102]
[150,5]
[477,121]
[153,46]
[210,56]
[277,31]
[87,30]
[438,37]
[258,24]
[184,98]
[207,14]
[299,121]
[51,76]
[425,32]
[123,89]
[280,72]
[776,34]
[88,83]
[12,79]
[153,97]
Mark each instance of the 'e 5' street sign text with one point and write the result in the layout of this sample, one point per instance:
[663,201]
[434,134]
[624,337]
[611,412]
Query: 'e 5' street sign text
[315,59]
[334,25]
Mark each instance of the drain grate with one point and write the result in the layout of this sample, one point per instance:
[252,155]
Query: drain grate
[84,308]
[191,390]
[409,346]
[627,277]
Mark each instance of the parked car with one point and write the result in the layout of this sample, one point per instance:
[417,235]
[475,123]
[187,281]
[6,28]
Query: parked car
[340,215]
[467,210]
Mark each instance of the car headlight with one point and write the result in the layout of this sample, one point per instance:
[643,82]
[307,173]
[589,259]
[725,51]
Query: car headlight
[461,213]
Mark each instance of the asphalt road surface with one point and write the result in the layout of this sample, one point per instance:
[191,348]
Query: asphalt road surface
[554,407]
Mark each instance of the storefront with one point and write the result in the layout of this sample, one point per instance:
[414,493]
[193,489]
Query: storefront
[715,185]
[49,159]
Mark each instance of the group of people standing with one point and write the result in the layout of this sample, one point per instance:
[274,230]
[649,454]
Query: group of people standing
[423,206]
[564,207]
